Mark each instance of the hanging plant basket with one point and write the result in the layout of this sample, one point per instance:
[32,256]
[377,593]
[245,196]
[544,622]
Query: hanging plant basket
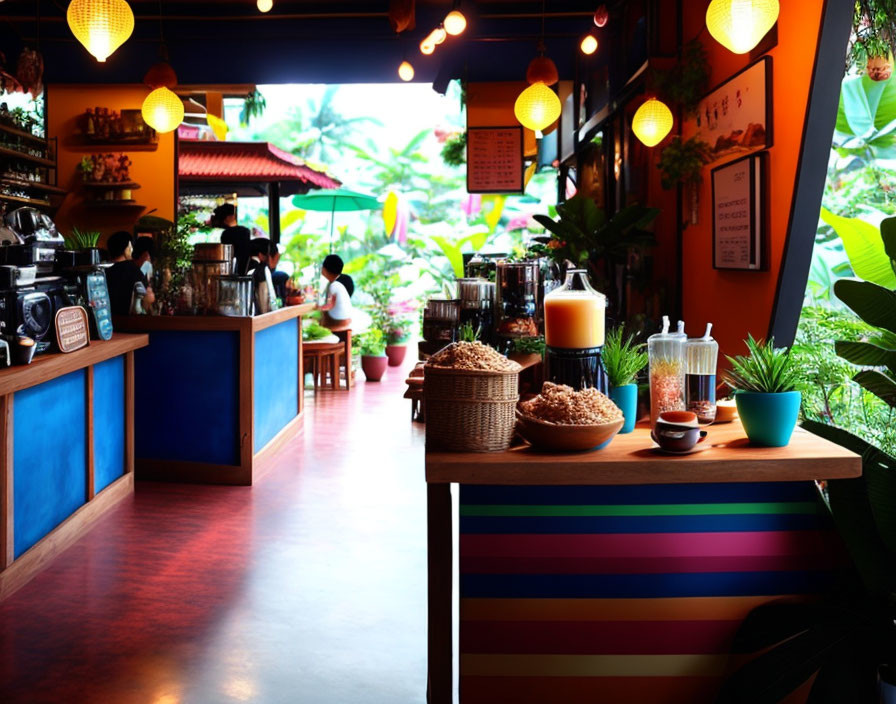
[879,68]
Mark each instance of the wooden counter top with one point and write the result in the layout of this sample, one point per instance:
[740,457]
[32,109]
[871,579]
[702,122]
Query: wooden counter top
[630,459]
[50,366]
[155,323]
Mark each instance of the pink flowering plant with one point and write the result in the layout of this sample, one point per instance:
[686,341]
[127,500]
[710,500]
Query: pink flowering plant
[401,318]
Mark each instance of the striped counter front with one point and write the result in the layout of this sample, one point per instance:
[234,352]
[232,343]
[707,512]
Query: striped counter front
[614,594]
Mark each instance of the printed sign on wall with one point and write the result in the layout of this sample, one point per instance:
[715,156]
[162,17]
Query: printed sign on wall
[738,214]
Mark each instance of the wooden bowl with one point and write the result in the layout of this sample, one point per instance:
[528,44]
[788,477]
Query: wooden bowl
[550,436]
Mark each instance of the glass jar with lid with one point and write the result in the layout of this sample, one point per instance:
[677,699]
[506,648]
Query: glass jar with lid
[667,368]
[702,357]
[517,306]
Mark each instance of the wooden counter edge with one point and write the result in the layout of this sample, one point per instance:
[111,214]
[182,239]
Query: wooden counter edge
[216,323]
[51,366]
[260,322]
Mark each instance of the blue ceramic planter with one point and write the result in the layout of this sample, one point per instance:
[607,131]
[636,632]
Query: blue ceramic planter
[626,397]
[769,419]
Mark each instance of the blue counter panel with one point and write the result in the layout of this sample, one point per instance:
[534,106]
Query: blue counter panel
[108,423]
[49,456]
[186,394]
[276,380]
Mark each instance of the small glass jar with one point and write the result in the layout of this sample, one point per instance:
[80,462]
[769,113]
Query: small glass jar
[702,356]
[667,366]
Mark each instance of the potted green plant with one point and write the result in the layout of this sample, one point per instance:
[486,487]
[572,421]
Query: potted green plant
[400,319]
[526,351]
[765,386]
[682,162]
[623,360]
[84,241]
[372,345]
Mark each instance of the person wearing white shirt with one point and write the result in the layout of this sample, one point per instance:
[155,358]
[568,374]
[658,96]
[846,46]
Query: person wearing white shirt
[337,308]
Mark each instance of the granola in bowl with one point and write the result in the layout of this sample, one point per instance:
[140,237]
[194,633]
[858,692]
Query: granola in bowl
[561,405]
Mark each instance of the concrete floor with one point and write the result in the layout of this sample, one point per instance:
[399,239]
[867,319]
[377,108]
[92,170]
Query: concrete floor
[309,587]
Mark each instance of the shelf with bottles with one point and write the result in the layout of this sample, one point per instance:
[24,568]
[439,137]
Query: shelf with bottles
[32,156]
[27,180]
[102,127]
[11,197]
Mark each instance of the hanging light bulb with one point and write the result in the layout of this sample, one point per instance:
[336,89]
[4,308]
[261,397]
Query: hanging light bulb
[589,44]
[100,25]
[264,5]
[438,35]
[739,25]
[537,107]
[163,110]
[427,47]
[406,71]
[455,23]
[601,16]
[652,122]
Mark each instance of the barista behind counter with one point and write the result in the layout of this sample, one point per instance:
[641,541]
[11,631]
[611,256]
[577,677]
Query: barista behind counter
[129,292]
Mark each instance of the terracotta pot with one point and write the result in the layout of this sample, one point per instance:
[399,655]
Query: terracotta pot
[396,354]
[294,300]
[879,68]
[374,367]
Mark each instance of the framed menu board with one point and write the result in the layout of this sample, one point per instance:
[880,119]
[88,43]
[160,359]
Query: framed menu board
[495,159]
[739,214]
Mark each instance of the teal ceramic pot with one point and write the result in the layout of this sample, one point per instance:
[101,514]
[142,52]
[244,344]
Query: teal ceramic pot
[626,397]
[769,419]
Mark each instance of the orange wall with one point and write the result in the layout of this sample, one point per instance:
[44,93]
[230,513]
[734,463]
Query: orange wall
[740,302]
[153,170]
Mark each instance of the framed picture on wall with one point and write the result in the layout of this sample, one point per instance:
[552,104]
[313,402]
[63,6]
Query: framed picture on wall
[739,214]
[735,118]
[495,160]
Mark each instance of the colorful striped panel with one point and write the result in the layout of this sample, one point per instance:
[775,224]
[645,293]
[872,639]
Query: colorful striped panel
[625,593]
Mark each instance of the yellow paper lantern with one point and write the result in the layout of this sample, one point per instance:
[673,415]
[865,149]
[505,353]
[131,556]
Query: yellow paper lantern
[589,44]
[739,25]
[652,122]
[100,25]
[537,107]
[455,23]
[163,110]
[406,71]
[264,5]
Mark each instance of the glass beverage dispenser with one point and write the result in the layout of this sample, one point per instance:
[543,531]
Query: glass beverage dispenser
[517,288]
[666,355]
[574,322]
[702,355]
[476,296]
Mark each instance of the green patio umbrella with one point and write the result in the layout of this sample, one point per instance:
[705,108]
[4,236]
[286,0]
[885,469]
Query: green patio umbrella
[333,200]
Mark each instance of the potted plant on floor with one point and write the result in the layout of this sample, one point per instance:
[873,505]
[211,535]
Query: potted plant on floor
[401,319]
[372,345]
[623,360]
[765,386]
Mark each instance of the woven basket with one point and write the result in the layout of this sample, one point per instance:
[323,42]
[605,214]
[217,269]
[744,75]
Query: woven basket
[469,411]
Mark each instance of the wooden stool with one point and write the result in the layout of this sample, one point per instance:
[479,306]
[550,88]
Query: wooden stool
[345,337]
[321,357]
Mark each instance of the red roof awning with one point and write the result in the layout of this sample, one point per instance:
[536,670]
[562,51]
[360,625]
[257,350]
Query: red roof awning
[245,163]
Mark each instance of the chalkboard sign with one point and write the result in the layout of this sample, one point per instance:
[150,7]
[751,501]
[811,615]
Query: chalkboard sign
[495,160]
[72,329]
[739,214]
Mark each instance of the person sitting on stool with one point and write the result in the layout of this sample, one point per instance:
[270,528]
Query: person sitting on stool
[336,312]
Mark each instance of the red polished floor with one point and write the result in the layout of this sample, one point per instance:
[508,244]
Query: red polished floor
[307,588]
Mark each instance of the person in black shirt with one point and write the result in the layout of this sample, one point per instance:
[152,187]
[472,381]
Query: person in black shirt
[260,271]
[128,291]
[280,278]
[236,235]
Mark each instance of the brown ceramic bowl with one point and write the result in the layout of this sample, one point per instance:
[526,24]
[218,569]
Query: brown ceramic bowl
[565,438]
[725,413]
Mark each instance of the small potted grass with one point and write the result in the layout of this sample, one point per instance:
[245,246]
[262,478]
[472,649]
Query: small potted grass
[623,360]
[372,345]
[765,391]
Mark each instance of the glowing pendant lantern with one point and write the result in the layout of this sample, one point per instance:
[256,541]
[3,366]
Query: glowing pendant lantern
[100,25]
[542,70]
[455,23]
[601,16]
[264,5]
[406,71]
[537,107]
[739,25]
[163,110]
[427,46]
[588,45]
[652,122]
[438,35]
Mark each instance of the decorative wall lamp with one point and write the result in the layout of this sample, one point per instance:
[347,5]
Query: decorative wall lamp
[652,122]
[739,25]
[100,25]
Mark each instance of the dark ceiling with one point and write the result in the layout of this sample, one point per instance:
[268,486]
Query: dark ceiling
[303,41]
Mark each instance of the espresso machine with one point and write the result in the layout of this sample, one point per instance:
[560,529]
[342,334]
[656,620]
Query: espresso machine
[29,238]
[25,309]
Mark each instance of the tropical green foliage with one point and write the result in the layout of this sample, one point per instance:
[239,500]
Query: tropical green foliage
[682,162]
[688,80]
[315,331]
[372,343]
[766,370]
[82,239]
[874,30]
[468,333]
[622,357]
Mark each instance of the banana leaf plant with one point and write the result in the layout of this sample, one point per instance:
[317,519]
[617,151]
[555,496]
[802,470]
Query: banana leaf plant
[845,638]
[583,235]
